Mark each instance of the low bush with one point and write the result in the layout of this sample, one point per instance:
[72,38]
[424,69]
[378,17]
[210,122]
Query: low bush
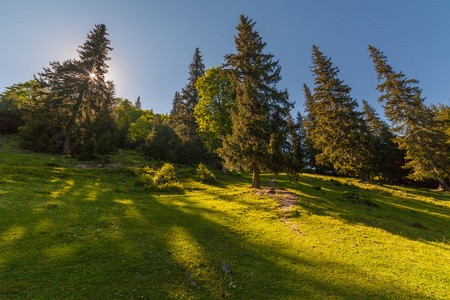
[205,174]
[165,175]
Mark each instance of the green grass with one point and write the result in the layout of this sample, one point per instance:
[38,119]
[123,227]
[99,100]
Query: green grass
[91,234]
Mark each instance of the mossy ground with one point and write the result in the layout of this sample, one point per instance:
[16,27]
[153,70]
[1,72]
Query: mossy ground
[77,233]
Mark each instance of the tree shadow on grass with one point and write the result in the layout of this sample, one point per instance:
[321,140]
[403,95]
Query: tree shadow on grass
[404,214]
[94,243]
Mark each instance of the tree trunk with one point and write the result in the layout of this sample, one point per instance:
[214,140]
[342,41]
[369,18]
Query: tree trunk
[256,179]
[443,186]
[66,145]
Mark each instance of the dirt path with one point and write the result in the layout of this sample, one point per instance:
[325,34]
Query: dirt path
[287,202]
[286,199]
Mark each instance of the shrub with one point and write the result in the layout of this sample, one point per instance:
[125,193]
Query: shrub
[165,175]
[205,174]
[143,180]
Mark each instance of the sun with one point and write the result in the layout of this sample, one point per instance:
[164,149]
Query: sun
[92,75]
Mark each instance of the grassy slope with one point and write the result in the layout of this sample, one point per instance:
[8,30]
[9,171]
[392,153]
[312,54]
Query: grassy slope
[72,233]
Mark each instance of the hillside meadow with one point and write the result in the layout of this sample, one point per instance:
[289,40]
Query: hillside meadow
[77,230]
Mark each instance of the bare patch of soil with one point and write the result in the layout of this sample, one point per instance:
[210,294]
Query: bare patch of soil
[287,202]
[98,166]
[286,199]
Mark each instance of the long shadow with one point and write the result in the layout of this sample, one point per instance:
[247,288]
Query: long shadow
[88,241]
[383,208]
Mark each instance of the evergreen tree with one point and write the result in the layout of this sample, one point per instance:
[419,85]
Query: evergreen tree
[80,101]
[96,125]
[138,103]
[309,122]
[55,102]
[176,107]
[183,121]
[259,116]
[161,142]
[339,130]
[387,159]
[296,146]
[415,125]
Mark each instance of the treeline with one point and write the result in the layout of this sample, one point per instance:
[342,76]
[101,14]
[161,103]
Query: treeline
[234,115]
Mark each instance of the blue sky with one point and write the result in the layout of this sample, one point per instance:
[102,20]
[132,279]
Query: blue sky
[154,41]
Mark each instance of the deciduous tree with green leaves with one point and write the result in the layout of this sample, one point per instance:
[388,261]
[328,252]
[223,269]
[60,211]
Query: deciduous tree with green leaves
[213,111]
[126,114]
[260,110]
[12,102]
[416,126]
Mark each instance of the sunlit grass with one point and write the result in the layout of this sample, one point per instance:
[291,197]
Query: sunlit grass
[90,234]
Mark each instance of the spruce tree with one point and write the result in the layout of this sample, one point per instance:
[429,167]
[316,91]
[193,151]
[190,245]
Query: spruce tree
[387,159]
[296,146]
[55,102]
[183,121]
[339,131]
[79,99]
[138,103]
[414,124]
[176,106]
[259,115]
[309,123]
[96,123]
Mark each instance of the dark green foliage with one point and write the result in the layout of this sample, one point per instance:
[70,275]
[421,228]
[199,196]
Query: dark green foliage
[75,103]
[339,132]
[96,130]
[297,149]
[388,160]
[161,142]
[259,116]
[309,123]
[10,116]
[182,114]
[12,102]
[176,108]
[416,126]
[138,103]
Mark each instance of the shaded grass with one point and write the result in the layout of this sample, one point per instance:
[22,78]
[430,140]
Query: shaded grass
[88,234]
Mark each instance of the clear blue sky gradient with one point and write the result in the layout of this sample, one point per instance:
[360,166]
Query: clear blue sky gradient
[154,41]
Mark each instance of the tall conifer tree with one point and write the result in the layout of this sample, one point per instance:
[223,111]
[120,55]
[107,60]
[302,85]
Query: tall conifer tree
[387,159]
[183,121]
[309,123]
[79,99]
[427,150]
[339,130]
[260,111]
[138,103]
